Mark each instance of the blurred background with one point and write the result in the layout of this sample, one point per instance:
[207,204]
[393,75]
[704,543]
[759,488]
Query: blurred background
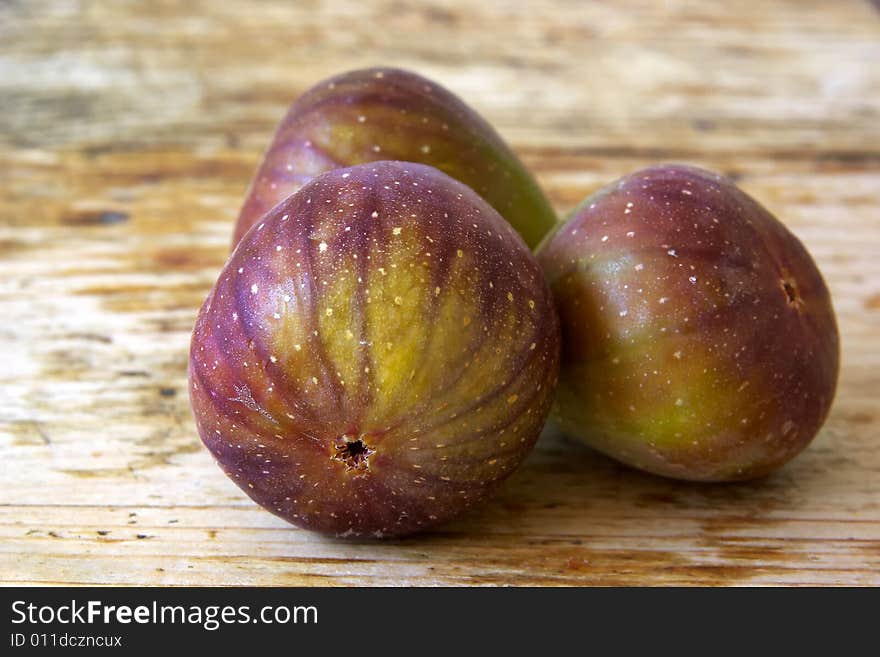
[581,89]
[129,133]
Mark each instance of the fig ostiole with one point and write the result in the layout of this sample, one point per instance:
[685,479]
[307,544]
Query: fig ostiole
[378,354]
[699,339]
[390,114]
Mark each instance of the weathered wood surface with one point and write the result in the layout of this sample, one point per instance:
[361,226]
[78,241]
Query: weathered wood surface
[128,132]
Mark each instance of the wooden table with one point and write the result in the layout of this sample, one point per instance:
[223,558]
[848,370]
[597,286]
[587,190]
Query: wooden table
[128,134]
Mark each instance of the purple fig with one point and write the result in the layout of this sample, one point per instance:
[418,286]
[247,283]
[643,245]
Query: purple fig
[699,340]
[390,114]
[378,354]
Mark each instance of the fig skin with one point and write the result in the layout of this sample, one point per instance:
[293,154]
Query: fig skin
[699,339]
[378,354]
[390,114]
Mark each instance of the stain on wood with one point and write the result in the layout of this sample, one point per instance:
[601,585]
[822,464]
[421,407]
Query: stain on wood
[128,134]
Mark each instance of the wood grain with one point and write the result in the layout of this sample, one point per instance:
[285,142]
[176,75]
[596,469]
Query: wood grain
[128,133]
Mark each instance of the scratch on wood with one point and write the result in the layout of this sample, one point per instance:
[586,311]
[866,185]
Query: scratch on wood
[44,435]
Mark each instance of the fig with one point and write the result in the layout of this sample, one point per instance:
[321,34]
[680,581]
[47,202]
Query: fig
[699,339]
[378,354]
[390,114]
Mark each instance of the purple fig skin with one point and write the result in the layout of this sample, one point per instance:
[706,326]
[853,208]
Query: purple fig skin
[391,114]
[699,339]
[378,354]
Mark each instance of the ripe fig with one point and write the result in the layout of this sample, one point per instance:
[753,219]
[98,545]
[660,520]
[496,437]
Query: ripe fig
[390,114]
[378,354]
[699,340]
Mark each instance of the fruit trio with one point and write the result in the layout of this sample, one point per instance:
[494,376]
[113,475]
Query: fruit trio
[382,348]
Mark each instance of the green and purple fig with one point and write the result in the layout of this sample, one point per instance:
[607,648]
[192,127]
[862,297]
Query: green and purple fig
[699,339]
[390,114]
[378,354]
